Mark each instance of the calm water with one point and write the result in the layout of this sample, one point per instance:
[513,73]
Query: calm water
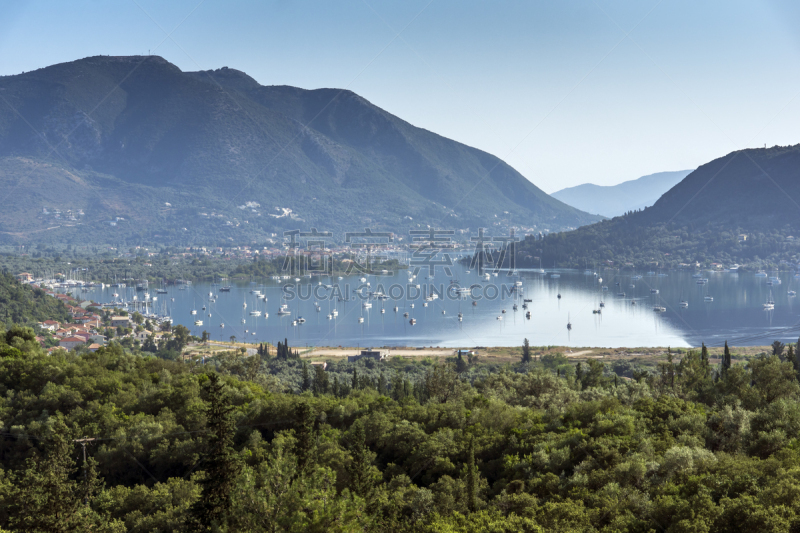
[736,314]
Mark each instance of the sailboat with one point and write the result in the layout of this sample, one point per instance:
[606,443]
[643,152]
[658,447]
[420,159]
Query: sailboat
[770,304]
[283,310]
[684,303]
[255,311]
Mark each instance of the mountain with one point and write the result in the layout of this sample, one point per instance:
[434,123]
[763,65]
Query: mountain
[755,188]
[134,149]
[753,192]
[614,200]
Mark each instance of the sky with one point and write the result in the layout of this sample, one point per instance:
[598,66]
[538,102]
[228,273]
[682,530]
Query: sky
[567,92]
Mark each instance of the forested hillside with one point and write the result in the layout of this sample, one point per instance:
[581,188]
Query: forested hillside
[25,304]
[266,444]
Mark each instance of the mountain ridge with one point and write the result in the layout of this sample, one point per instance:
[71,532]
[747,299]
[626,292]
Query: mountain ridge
[743,207]
[218,140]
[615,200]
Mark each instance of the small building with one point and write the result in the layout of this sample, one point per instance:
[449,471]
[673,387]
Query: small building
[94,347]
[70,343]
[141,336]
[322,364]
[24,277]
[377,355]
[51,325]
[120,321]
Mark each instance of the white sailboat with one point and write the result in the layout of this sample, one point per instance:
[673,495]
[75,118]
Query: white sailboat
[770,303]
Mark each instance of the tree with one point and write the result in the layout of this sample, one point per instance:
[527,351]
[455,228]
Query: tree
[137,317]
[149,344]
[205,336]
[777,348]
[221,462]
[526,351]
[363,475]
[179,340]
[471,477]
[305,444]
[46,497]
[233,338]
[383,385]
[442,383]
[321,384]
[461,365]
[306,383]
[793,358]
[726,360]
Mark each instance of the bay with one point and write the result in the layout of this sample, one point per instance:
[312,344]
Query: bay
[736,313]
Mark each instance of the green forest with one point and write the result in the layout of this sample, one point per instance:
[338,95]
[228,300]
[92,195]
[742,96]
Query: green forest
[272,443]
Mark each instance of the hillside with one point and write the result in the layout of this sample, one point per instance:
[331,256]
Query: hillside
[753,192]
[24,304]
[755,188]
[616,200]
[214,156]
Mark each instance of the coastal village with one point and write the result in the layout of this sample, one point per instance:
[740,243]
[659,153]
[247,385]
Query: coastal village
[90,326]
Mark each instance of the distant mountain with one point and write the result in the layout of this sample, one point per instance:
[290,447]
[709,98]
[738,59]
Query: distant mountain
[754,192]
[109,149]
[614,200]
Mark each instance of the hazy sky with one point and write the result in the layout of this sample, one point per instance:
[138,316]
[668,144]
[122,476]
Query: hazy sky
[567,92]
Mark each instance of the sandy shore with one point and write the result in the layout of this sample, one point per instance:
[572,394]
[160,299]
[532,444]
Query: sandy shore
[392,352]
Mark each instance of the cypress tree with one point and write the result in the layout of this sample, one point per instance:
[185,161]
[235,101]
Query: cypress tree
[461,365]
[383,388]
[305,435]
[306,385]
[320,380]
[526,351]
[471,481]
[672,367]
[354,386]
[791,356]
[726,359]
[362,480]
[221,462]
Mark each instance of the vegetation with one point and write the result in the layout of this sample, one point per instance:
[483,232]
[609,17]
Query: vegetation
[24,304]
[396,446]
